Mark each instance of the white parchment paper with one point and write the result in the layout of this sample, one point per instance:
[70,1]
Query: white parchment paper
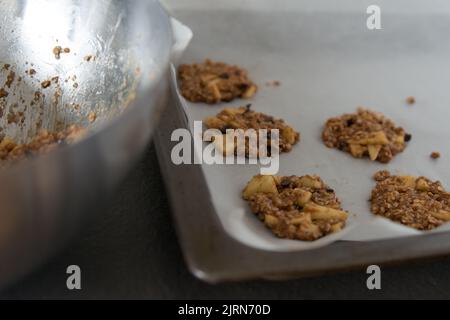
[329,63]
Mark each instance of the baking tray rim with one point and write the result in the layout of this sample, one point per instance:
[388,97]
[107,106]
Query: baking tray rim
[215,256]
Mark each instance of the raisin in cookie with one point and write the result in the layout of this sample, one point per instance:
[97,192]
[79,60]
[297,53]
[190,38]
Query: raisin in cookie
[301,208]
[365,133]
[213,82]
[413,201]
[244,118]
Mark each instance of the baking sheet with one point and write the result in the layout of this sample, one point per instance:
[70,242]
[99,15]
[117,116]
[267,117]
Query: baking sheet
[329,63]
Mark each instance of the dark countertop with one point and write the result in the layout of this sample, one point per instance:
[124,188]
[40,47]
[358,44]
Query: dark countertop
[131,251]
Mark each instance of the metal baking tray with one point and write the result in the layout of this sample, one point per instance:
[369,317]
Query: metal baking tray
[328,63]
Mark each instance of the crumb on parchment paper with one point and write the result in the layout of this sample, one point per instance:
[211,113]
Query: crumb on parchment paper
[435,155]
[411,100]
[273,83]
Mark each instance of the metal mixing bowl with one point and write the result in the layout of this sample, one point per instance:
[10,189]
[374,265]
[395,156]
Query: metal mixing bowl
[44,199]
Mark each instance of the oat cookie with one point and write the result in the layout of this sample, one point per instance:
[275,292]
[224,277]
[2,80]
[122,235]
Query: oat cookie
[245,118]
[300,208]
[413,201]
[213,82]
[365,133]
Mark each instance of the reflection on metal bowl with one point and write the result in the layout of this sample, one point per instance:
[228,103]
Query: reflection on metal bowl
[101,65]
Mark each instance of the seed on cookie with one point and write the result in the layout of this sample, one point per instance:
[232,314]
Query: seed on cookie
[213,82]
[293,207]
[365,133]
[416,202]
[244,118]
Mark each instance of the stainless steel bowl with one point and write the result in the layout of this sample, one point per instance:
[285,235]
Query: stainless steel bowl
[44,200]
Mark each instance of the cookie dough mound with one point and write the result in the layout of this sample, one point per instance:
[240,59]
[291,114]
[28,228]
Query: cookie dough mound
[365,133]
[413,201]
[213,82]
[300,208]
[244,118]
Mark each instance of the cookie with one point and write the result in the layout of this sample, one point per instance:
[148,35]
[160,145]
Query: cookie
[299,208]
[214,82]
[416,202]
[365,133]
[245,118]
